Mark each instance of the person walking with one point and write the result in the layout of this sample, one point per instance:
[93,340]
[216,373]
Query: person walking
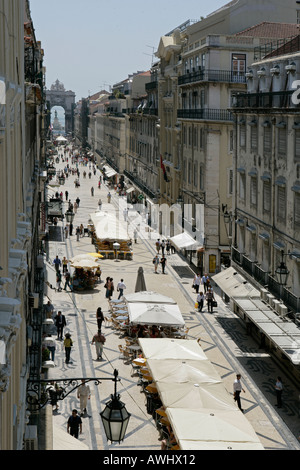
[67,281]
[279,388]
[163,262]
[92,191]
[237,390]
[49,309]
[64,264]
[108,197]
[168,247]
[78,233]
[157,245]
[66,195]
[84,394]
[135,235]
[163,246]
[99,317]
[100,204]
[74,425]
[210,299]
[203,282]
[57,263]
[50,344]
[120,288]
[200,300]
[99,340]
[156,263]
[197,282]
[60,323]
[58,281]
[66,231]
[71,229]
[68,343]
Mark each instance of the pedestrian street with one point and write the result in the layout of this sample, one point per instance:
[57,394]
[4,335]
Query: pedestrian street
[221,336]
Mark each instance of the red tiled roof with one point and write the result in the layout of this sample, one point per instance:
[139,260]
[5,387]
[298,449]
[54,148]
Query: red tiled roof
[271,30]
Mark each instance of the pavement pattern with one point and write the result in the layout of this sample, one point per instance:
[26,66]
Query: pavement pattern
[223,337]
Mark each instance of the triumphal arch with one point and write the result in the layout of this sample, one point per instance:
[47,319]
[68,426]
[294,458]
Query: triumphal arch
[58,96]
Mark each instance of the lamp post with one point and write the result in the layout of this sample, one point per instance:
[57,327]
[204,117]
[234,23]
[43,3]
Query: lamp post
[115,417]
[69,216]
[282,272]
[116,247]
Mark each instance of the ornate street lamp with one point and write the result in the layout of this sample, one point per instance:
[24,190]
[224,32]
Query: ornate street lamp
[115,417]
[69,216]
[61,180]
[282,272]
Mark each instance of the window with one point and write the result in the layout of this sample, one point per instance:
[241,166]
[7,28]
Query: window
[230,182]
[297,144]
[201,177]
[254,136]
[282,141]
[297,211]
[266,196]
[238,67]
[242,135]
[253,191]
[281,204]
[196,174]
[242,194]
[201,138]
[231,141]
[267,139]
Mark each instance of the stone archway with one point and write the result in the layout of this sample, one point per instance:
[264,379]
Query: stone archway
[58,96]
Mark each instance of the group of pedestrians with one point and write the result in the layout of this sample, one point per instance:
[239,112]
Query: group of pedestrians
[58,263]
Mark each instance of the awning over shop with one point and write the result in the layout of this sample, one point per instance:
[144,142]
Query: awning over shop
[233,284]
[284,334]
[130,190]
[109,172]
[184,241]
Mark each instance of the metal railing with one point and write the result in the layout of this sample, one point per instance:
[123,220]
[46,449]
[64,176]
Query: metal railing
[212,76]
[206,114]
[275,99]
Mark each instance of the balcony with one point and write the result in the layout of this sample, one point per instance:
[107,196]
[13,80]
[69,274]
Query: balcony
[151,86]
[224,76]
[140,184]
[205,114]
[265,100]
[266,280]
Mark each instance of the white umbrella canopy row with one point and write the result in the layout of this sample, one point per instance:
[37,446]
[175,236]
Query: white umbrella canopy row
[202,413]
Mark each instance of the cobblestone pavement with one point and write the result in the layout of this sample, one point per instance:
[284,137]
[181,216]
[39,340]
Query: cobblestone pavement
[223,338]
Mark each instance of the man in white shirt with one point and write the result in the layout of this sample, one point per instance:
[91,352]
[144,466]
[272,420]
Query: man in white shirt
[120,288]
[237,390]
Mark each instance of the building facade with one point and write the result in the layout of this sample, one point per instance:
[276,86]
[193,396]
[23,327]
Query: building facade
[267,172]
[21,161]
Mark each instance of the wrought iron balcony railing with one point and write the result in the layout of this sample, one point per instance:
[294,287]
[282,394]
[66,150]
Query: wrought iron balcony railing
[206,114]
[212,76]
[265,100]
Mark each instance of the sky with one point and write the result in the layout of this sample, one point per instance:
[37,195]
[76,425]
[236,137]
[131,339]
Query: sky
[93,44]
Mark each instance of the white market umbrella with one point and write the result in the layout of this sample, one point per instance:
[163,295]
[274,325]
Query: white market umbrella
[180,371]
[168,348]
[155,314]
[149,297]
[212,396]
[210,426]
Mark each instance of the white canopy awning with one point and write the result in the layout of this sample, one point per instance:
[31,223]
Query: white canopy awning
[168,348]
[183,370]
[184,241]
[233,284]
[109,227]
[148,297]
[155,314]
[109,172]
[62,440]
[208,429]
